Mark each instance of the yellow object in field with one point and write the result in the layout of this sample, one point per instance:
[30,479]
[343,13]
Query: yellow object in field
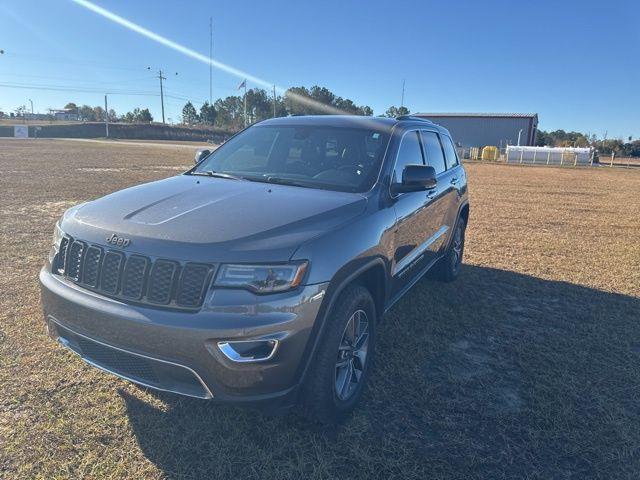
[490,153]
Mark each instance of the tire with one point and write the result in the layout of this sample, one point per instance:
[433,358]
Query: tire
[450,265]
[333,387]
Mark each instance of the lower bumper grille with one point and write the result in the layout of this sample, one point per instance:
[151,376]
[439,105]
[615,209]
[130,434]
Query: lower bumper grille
[147,371]
[129,365]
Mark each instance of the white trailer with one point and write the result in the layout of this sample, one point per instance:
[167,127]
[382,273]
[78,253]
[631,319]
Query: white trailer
[549,155]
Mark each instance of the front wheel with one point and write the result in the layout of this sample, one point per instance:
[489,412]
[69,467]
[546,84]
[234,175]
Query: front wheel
[343,361]
[450,265]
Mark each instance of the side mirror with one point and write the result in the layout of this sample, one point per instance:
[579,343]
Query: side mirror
[201,154]
[416,178]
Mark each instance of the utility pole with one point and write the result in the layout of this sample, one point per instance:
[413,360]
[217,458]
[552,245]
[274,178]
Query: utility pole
[106,116]
[31,106]
[161,93]
[245,102]
[402,101]
[274,101]
[210,60]
[161,77]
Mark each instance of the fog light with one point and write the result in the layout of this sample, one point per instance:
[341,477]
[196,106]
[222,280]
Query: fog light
[249,350]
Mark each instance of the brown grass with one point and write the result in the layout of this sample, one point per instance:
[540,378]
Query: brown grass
[527,367]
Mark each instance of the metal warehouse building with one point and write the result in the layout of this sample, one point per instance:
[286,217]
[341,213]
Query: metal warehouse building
[482,129]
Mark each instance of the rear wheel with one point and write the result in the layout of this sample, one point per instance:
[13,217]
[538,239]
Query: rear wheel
[450,265]
[343,361]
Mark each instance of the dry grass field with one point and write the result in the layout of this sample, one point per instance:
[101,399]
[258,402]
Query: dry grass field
[527,367]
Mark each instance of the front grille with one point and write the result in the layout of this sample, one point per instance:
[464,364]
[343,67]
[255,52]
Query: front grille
[134,277]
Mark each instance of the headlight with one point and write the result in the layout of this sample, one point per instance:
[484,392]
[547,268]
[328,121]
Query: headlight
[58,234]
[261,278]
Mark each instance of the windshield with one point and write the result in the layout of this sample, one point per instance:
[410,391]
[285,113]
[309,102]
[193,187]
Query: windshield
[346,159]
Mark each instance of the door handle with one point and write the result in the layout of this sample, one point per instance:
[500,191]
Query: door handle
[454,181]
[431,194]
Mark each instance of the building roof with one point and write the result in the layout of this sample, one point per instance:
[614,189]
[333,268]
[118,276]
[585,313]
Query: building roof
[491,115]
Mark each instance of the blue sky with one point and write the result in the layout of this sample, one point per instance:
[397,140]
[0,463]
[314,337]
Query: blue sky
[575,63]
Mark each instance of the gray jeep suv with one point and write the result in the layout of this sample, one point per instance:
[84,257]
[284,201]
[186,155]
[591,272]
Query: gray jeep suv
[259,275]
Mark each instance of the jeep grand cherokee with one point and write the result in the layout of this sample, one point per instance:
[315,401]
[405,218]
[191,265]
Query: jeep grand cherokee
[259,275]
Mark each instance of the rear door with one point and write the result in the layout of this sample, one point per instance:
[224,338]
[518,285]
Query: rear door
[455,178]
[438,222]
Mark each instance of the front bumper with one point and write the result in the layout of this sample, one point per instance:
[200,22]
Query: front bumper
[178,351]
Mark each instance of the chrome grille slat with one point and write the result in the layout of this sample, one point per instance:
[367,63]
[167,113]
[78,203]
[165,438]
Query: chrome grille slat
[133,277]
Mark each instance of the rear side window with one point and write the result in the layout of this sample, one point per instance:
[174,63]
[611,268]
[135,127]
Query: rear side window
[433,150]
[409,153]
[449,151]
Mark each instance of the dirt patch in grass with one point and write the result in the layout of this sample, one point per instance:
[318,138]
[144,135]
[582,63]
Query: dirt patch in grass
[527,367]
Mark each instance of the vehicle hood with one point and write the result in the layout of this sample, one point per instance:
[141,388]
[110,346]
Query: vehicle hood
[210,219]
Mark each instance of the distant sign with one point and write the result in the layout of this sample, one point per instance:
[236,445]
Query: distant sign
[21,131]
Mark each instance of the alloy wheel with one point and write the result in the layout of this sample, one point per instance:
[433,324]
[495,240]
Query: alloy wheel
[457,248]
[352,355]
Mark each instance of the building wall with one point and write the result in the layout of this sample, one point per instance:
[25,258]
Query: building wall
[482,131]
[153,131]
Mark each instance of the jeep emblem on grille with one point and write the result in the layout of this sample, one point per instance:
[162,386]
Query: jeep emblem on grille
[118,241]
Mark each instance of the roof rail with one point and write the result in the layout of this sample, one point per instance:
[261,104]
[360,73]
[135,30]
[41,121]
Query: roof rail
[413,117]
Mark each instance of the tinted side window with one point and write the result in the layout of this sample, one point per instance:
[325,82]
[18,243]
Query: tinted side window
[433,150]
[409,153]
[449,152]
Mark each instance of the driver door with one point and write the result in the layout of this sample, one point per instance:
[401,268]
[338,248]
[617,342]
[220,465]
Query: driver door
[415,224]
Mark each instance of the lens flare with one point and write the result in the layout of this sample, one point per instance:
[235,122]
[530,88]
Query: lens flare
[203,58]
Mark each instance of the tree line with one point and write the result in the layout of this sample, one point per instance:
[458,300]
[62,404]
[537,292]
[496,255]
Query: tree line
[87,113]
[228,113]
[559,138]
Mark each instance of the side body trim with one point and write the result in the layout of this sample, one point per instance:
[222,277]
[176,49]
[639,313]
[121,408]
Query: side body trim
[419,250]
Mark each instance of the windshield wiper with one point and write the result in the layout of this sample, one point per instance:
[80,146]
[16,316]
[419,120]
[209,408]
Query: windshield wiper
[211,173]
[289,181]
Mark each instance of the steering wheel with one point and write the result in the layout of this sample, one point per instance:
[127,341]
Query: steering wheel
[355,169]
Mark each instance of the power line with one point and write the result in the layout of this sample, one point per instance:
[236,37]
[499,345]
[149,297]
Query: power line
[101,82]
[58,60]
[75,89]
[183,97]
[81,89]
